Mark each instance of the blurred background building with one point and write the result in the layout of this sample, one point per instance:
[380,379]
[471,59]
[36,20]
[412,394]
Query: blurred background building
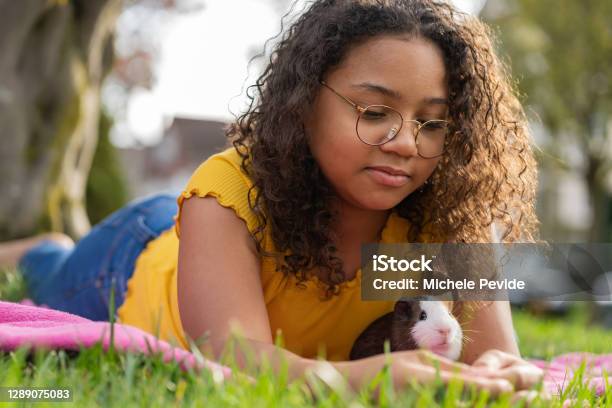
[167,165]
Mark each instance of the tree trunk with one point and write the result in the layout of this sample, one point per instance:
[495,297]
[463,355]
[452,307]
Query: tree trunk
[54,57]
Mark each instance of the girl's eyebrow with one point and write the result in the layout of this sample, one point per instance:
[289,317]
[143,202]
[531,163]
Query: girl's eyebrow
[394,94]
[378,88]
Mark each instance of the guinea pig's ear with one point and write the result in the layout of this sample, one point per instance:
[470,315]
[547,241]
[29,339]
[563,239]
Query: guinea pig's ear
[406,307]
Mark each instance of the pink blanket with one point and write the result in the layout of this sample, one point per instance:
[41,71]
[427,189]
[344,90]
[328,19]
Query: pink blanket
[560,371]
[41,327]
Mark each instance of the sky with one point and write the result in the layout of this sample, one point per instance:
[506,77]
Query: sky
[201,66]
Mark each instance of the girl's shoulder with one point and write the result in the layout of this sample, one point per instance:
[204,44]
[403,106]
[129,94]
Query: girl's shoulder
[221,176]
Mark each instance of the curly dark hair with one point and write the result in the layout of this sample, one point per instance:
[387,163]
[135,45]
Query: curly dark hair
[487,174]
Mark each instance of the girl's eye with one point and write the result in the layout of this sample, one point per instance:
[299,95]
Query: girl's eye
[423,315]
[371,114]
[432,124]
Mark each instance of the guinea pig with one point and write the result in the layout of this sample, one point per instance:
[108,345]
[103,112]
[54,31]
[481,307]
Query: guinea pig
[413,324]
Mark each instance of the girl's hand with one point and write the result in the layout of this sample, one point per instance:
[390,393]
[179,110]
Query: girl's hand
[423,366]
[510,367]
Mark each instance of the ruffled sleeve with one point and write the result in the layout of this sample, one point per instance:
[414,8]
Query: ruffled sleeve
[220,176]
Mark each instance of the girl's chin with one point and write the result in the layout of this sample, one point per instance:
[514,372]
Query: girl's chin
[382,203]
[376,208]
[373,200]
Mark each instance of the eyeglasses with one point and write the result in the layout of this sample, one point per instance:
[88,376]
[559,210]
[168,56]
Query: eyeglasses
[379,124]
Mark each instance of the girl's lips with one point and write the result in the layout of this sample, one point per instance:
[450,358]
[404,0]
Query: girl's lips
[387,179]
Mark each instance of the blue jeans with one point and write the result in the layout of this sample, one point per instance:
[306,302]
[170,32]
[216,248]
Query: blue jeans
[79,280]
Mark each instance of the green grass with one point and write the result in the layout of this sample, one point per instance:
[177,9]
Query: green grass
[99,378]
[541,337]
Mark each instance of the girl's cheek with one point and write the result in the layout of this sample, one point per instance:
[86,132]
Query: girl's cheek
[432,167]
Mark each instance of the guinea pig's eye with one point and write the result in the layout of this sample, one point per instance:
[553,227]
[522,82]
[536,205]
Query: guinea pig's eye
[423,315]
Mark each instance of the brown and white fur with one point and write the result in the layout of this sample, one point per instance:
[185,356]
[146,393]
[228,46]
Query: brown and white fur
[413,324]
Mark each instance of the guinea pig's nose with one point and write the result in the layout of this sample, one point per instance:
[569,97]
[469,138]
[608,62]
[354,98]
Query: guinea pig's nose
[444,331]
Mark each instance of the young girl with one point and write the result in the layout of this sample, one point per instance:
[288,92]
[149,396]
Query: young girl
[389,121]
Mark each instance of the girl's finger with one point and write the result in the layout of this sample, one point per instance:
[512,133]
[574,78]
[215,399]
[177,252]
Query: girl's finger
[494,386]
[496,360]
[427,374]
[522,376]
[429,358]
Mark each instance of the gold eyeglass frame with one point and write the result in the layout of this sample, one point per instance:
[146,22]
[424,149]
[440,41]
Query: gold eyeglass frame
[360,109]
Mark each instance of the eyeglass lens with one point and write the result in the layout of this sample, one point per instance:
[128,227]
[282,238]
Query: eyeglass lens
[379,124]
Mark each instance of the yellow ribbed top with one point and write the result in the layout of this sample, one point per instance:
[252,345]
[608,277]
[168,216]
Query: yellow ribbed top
[308,323]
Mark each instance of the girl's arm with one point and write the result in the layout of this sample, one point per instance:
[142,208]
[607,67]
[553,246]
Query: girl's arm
[494,345]
[219,283]
[218,275]
[489,327]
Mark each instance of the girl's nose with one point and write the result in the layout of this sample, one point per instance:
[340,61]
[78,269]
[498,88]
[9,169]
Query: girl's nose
[404,143]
